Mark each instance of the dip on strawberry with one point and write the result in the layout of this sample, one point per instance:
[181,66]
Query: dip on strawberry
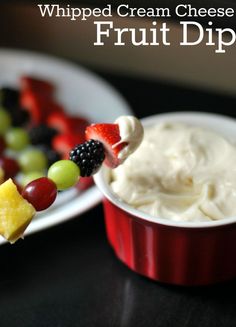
[131,133]
[119,139]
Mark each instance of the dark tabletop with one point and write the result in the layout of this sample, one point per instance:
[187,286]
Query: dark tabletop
[69,276]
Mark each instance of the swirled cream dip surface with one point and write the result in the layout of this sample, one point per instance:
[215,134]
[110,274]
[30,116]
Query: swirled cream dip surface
[180,172]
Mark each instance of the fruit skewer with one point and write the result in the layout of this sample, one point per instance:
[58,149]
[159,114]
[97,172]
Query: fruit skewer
[84,160]
[30,121]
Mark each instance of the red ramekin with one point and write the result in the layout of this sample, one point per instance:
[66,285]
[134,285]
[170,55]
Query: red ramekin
[181,253]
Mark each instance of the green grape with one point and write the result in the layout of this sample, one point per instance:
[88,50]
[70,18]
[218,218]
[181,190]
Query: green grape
[32,160]
[5,121]
[29,177]
[16,138]
[64,173]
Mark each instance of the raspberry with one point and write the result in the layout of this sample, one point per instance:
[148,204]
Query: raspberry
[88,156]
[42,134]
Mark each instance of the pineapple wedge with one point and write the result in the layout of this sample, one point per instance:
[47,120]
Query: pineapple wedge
[15,212]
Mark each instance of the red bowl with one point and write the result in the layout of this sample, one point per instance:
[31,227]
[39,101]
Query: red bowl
[182,253]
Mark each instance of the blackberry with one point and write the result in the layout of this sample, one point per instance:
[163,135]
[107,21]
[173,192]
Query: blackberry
[19,116]
[88,156]
[9,97]
[41,134]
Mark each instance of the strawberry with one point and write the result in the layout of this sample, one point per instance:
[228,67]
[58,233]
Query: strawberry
[84,183]
[37,86]
[54,107]
[38,106]
[63,143]
[78,124]
[67,124]
[33,104]
[59,121]
[109,135]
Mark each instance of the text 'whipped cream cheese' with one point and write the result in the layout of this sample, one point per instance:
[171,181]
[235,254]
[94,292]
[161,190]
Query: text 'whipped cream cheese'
[180,172]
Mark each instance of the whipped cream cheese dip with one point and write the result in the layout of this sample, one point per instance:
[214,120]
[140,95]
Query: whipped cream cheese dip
[180,172]
[131,131]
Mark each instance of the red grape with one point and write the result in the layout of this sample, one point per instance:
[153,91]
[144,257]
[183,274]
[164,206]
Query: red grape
[2,145]
[9,166]
[41,193]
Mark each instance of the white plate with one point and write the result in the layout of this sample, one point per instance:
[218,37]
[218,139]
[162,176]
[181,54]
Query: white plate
[82,93]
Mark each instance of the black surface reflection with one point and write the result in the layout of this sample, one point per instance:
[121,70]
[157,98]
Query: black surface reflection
[69,276]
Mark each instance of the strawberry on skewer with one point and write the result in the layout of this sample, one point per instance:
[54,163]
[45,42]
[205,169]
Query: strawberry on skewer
[111,143]
[109,136]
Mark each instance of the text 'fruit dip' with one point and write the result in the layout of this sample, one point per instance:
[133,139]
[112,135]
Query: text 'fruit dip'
[180,172]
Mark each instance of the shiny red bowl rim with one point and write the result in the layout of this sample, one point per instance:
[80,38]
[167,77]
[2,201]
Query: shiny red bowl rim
[218,123]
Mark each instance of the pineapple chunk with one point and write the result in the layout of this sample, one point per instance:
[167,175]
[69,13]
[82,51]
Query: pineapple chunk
[15,212]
